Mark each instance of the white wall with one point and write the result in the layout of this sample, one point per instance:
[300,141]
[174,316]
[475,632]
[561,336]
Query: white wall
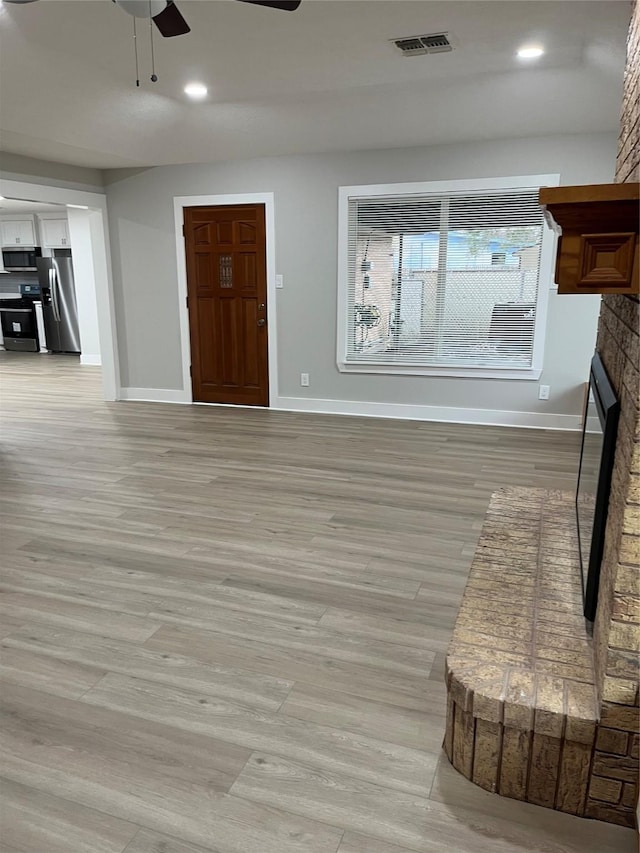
[306,198]
[85,284]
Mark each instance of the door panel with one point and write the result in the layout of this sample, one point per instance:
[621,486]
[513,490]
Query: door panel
[51,328]
[246,232]
[207,360]
[247,273]
[224,232]
[202,234]
[227,288]
[228,337]
[202,264]
[251,364]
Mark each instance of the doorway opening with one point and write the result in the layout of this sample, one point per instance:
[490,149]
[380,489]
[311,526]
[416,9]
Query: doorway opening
[55,288]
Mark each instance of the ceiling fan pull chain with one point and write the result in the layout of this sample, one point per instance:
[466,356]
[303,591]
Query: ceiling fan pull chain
[154,76]
[135,50]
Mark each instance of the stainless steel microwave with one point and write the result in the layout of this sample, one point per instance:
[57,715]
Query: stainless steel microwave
[21,260]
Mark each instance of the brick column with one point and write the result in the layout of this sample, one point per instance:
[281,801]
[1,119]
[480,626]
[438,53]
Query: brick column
[613,792]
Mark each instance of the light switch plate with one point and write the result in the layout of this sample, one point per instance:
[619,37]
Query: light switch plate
[279,282]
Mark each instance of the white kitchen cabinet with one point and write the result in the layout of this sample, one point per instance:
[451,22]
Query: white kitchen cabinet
[54,233]
[18,232]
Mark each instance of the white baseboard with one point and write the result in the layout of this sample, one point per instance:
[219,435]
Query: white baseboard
[91,360]
[399,411]
[446,414]
[154,395]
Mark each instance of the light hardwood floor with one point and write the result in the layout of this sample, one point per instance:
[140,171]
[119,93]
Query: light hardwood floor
[224,629]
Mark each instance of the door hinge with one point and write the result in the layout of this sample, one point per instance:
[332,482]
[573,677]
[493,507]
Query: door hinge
[187,301]
[191,370]
[184,233]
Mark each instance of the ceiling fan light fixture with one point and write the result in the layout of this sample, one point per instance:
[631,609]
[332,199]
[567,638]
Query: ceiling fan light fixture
[142,8]
[197,91]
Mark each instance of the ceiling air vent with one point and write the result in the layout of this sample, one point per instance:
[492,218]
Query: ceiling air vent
[419,45]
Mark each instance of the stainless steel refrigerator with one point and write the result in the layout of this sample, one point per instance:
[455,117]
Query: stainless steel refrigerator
[59,304]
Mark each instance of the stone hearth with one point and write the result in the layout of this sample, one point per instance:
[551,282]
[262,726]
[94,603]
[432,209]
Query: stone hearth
[522,708]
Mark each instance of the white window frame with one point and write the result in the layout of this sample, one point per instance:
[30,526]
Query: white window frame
[546,283]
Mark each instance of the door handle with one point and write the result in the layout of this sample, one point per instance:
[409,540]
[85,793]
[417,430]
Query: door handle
[262,322]
[53,288]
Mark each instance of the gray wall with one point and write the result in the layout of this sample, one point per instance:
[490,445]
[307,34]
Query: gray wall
[144,266]
[15,167]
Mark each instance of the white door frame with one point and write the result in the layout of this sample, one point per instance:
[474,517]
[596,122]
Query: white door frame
[179,204]
[101,259]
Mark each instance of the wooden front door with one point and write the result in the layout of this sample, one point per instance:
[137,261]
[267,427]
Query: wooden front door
[227,297]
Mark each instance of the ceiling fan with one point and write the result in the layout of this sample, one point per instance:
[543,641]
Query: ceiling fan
[168,18]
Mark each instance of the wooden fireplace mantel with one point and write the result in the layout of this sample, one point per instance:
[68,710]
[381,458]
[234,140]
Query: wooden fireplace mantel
[598,248]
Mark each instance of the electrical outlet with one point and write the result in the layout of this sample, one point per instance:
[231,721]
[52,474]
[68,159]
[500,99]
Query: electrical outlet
[543,393]
[304,380]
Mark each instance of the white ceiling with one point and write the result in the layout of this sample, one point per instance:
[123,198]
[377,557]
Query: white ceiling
[322,78]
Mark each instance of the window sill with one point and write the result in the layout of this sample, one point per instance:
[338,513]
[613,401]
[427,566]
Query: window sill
[528,373]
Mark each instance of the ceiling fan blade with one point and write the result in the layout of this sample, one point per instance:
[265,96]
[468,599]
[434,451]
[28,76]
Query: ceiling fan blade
[286,5]
[170,21]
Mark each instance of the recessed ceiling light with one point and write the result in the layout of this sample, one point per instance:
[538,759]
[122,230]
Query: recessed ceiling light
[196,90]
[530,51]
[79,206]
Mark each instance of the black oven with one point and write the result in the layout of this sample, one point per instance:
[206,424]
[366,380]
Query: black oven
[19,325]
[21,260]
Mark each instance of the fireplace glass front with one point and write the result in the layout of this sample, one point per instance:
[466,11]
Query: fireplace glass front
[600,426]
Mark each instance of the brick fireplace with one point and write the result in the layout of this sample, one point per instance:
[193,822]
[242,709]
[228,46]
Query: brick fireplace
[613,793]
[537,710]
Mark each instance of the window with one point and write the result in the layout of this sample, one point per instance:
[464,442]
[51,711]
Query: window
[446,278]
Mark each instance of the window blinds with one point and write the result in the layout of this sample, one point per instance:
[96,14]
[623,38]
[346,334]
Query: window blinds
[443,280]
